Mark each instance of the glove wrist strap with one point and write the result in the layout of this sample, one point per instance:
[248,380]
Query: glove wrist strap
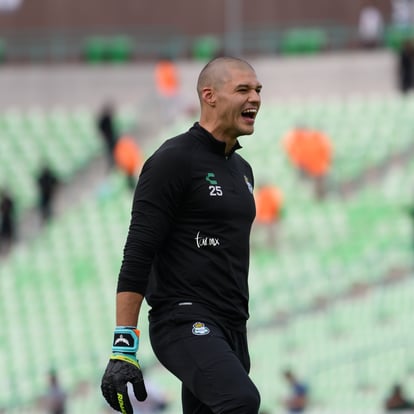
[126,340]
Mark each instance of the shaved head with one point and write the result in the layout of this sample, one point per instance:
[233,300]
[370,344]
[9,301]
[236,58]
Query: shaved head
[216,72]
[229,94]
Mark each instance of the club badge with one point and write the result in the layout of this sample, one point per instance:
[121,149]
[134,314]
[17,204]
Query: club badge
[200,329]
[249,185]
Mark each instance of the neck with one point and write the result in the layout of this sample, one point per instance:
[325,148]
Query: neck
[220,135]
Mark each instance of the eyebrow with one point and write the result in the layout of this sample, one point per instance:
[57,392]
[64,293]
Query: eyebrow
[246,85]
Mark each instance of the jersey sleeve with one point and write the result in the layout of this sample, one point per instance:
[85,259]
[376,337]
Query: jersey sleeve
[157,197]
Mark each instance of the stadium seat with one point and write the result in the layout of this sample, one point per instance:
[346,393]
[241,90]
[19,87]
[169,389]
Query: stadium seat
[395,36]
[95,49]
[303,41]
[2,50]
[120,49]
[205,47]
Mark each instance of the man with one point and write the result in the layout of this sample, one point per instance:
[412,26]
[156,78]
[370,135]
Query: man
[107,130]
[370,25]
[397,401]
[47,183]
[406,66]
[269,211]
[7,221]
[55,398]
[298,400]
[187,253]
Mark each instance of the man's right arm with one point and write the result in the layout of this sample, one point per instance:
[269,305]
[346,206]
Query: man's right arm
[156,201]
[128,305]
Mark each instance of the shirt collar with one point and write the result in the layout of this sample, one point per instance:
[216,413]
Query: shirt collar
[217,146]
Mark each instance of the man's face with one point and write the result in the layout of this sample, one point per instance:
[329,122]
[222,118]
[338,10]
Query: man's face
[237,102]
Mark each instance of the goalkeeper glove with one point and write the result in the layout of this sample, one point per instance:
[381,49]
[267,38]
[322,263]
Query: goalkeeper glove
[123,367]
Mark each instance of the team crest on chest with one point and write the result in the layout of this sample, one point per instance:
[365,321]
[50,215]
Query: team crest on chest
[199,328]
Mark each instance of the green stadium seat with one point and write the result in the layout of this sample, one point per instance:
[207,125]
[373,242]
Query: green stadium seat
[120,49]
[303,41]
[96,49]
[2,50]
[205,47]
[115,49]
[395,36]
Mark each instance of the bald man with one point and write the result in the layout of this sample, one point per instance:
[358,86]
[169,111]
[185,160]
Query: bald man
[187,254]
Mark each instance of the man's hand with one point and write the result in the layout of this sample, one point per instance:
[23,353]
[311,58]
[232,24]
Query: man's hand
[123,367]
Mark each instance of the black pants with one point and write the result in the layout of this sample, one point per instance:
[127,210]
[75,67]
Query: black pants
[211,362]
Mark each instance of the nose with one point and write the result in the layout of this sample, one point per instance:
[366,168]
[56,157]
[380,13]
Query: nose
[254,96]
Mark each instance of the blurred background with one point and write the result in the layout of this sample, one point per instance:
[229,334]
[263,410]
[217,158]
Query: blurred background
[88,90]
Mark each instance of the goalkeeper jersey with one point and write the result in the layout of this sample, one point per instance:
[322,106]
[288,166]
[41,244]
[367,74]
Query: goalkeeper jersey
[188,238]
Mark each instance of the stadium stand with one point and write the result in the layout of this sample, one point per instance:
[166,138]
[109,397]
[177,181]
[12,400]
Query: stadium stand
[65,140]
[333,300]
[359,349]
[362,136]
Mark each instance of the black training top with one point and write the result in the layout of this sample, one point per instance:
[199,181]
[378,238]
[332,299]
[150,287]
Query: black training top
[188,238]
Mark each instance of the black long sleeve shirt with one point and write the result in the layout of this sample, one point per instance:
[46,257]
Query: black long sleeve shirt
[188,238]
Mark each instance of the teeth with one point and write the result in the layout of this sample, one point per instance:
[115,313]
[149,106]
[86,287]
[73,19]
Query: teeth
[250,111]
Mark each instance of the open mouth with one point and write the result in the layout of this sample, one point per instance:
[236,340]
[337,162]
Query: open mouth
[249,113]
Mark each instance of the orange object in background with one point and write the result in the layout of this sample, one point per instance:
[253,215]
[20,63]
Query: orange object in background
[269,202]
[127,155]
[315,153]
[166,78]
[309,150]
[293,145]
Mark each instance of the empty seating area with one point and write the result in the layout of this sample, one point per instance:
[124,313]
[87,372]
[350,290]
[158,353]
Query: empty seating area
[66,140]
[351,355]
[59,289]
[123,45]
[365,131]
[29,139]
[306,313]
[357,345]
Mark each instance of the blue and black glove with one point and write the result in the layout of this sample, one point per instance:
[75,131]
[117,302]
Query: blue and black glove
[123,367]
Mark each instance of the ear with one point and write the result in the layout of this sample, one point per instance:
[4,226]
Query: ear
[208,96]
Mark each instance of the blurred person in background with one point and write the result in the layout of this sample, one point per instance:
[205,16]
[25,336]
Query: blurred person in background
[269,210]
[397,401]
[155,403]
[402,13]
[310,152]
[128,159]
[107,130]
[298,400]
[187,253]
[167,82]
[7,221]
[55,398]
[406,66]
[47,184]
[370,26]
